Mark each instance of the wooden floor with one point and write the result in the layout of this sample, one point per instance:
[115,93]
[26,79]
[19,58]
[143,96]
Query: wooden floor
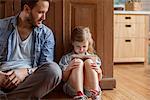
[133,83]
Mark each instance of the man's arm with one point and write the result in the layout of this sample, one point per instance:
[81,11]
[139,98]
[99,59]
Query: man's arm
[22,73]
[2,78]
[13,78]
[47,50]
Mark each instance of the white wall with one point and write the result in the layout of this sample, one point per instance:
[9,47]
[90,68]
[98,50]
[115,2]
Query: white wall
[146,4]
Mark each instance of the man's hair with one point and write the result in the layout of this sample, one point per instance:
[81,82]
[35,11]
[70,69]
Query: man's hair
[30,3]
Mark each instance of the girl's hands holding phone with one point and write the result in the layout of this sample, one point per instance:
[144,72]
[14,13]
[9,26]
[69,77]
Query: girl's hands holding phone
[74,64]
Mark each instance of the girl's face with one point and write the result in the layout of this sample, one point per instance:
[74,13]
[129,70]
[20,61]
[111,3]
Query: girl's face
[80,47]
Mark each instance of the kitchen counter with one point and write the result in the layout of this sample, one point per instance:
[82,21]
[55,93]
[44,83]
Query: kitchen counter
[132,12]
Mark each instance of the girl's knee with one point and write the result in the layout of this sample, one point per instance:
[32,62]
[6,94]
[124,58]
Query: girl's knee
[88,62]
[80,61]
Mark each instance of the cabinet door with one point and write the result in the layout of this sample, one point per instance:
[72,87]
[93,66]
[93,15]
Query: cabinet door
[9,8]
[140,45]
[125,48]
[141,29]
[129,50]
[97,15]
[2,7]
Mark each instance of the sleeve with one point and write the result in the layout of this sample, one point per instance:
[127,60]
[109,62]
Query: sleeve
[64,62]
[47,52]
[98,61]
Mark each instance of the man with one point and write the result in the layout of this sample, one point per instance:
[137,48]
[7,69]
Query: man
[27,70]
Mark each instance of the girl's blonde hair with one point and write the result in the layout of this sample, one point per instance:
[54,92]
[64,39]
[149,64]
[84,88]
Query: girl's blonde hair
[81,34]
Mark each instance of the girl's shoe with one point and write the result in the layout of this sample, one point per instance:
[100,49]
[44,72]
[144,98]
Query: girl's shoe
[82,97]
[96,95]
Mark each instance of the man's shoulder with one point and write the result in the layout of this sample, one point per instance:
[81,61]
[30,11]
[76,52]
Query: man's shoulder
[5,22]
[7,19]
[45,29]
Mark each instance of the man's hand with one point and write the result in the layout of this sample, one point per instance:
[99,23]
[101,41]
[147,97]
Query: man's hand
[3,78]
[8,80]
[15,77]
[12,80]
[21,73]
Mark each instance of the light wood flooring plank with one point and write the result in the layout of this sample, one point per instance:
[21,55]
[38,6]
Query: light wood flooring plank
[133,83]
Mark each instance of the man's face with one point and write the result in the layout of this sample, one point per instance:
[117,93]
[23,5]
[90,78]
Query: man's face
[38,13]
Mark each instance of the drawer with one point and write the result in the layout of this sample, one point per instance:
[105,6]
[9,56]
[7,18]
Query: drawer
[124,47]
[125,30]
[140,19]
[129,30]
[130,18]
[125,18]
[129,48]
[140,47]
[141,30]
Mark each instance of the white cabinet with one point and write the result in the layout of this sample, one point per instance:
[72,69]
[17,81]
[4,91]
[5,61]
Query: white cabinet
[130,37]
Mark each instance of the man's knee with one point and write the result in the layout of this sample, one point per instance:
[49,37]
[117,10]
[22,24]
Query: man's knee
[53,71]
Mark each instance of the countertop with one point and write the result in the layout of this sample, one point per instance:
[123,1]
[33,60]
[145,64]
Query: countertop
[132,12]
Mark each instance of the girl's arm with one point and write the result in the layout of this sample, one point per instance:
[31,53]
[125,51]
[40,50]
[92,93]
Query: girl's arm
[66,74]
[64,64]
[97,68]
[72,65]
[100,75]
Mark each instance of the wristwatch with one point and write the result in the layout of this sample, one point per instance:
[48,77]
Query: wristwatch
[29,71]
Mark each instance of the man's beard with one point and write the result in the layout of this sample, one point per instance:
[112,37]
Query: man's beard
[30,20]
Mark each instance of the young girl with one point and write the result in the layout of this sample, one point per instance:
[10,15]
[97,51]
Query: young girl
[81,68]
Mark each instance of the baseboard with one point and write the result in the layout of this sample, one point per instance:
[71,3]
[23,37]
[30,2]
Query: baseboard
[108,83]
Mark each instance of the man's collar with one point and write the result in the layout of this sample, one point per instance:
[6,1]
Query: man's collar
[14,20]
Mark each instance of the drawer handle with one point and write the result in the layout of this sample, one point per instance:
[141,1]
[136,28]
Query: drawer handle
[127,40]
[127,17]
[127,25]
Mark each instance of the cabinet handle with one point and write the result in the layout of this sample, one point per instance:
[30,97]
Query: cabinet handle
[127,17]
[127,25]
[127,40]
